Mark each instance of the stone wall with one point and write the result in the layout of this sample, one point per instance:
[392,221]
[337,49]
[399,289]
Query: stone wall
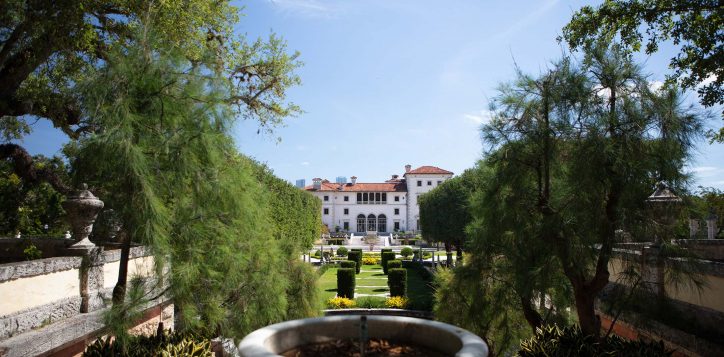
[50,305]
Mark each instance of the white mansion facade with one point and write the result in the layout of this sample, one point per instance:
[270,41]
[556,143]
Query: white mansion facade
[383,207]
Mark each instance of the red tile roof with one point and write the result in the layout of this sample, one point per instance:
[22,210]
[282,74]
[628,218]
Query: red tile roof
[429,170]
[399,186]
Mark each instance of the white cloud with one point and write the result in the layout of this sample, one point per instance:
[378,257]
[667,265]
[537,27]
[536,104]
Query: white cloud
[655,85]
[308,8]
[479,118]
[703,169]
[708,80]
[304,163]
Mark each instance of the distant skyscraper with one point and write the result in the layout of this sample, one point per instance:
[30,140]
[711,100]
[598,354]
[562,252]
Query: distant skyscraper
[301,183]
[341,179]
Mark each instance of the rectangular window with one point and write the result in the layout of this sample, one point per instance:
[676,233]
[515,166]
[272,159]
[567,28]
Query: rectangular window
[326,198]
[359,197]
[419,183]
[326,211]
[345,225]
[384,197]
[346,198]
[397,225]
[397,198]
[378,197]
[397,211]
[439,182]
[346,211]
[429,183]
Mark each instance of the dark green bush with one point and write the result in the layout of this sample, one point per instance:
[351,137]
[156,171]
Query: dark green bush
[397,281]
[386,256]
[348,264]
[346,282]
[370,302]
[406,252]
[317,254]
[394,264]
[385,250]
[355,256]
[569,341]
[341,251]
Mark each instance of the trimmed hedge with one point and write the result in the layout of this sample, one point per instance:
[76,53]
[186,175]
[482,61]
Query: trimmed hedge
[397,281]
[406,252]
[348,264]
[346,282]
[385,250]
[394,264]
[342,251]
[386,256]
[355,256]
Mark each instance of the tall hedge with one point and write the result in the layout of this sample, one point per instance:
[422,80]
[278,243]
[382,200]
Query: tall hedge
[397,281]
[385,250]
[346,282]
[394,264]
[349,264]
[386,256]
[355,256]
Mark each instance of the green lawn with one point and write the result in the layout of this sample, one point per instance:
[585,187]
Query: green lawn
[418,291]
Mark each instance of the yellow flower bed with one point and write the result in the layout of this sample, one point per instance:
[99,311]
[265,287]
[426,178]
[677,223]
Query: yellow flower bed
[340,303]
[397,302]
[370,261]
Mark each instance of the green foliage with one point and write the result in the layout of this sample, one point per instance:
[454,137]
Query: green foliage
[342,252]
[406,252]
[370,302]
[397,281]
[570,341]
[302,292]
[348,264]
[346,282]
[355,256]
[695,26]
[394,264]
[386,256]
[32,252]
[385,250]
[169,344]
[27,207]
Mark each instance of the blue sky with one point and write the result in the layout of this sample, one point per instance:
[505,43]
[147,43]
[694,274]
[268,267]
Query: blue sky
[394,82]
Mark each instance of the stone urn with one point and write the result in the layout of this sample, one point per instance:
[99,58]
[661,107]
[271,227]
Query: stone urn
[82,209]
[436,337]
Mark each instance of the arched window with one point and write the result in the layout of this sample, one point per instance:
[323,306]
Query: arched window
[361,223]
[382,223]
[371,223]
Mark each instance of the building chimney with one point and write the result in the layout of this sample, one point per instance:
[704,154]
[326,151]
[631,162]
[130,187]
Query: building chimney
[354,179]
[408,168]
[394,177]
[317,183]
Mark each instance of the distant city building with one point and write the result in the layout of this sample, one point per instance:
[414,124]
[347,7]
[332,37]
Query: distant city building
[301,183]
[382,207]
[341,179]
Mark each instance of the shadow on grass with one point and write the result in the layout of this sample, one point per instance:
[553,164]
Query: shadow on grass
[379,274]
[382,290]
[334,290]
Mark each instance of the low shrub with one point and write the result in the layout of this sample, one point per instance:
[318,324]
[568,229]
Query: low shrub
[340,303]
[386,256]
[169,344]
[342,252]
[397,302]
[569,341]
[355,256]
[397,281]
[370,261]
[317,254]
[32,252]
[426,255]
[348,264]
[406,252]
[385,250]
[370,302]
[393,264]
[346,282]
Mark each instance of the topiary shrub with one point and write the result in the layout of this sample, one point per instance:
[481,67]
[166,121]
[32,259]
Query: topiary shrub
[394,264]
[552,340]
[385,250]
[346,282]
[386,256]
[406,252]
[355,256]
[397,281]
[348,264]
[342,252]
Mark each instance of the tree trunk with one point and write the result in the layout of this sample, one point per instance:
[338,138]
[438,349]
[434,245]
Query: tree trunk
[448,254]
[119,291]
[533,317]
[588,319]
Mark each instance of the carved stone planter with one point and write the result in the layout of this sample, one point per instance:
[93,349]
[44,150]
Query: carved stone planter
[442,338]
[81,209]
